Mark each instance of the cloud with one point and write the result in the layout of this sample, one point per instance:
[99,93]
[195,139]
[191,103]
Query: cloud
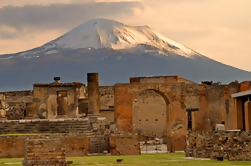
[218,29]
[38,24]
[39,2]
[62,16]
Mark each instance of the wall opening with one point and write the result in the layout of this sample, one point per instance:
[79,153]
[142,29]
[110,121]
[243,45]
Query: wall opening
[107,107]
[24,113]
[83,106]
[150,115]
[189,120]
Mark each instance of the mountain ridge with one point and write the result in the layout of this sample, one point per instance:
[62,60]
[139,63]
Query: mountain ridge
[117,52]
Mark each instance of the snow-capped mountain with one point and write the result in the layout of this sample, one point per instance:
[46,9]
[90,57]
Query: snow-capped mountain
[103,33]
[116,51]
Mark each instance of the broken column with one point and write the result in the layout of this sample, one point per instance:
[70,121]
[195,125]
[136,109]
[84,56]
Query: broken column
[93,93]
[2,107]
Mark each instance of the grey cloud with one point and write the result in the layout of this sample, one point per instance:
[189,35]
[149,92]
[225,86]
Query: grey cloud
[7,35]
[62,16]
[82,1]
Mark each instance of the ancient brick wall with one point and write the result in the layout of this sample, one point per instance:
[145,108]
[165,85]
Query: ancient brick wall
[244,86]
[2,107]
[160,79]
[12,146]
[18,96]
[48,103]
[180,79]
[107,102]
[231,145]
[15,110]
[149,115]
[76,145]
[174,96]
[45,152]
[124,144]
[214,104]
[16,103]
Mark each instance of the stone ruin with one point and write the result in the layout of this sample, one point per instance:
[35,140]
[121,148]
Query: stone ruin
[231,145]
[88,126]
[45,152]
[2,107]
[54,113]
[162,107]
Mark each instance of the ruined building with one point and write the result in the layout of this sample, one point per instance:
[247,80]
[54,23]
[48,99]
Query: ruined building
[2,107]
[163,107]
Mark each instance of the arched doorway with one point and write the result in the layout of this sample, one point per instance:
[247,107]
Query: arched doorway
[176,117]
[149,115]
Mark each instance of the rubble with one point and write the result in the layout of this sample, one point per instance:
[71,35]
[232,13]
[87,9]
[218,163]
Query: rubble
[231,145]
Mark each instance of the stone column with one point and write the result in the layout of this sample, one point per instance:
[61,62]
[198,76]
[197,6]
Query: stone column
[248,115]
[239,113]
[2,107]
[93,94]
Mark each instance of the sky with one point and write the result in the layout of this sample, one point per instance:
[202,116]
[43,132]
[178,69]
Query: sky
[218,29]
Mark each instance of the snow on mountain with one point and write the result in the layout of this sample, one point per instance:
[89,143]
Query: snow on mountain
[103,33]
[115,51]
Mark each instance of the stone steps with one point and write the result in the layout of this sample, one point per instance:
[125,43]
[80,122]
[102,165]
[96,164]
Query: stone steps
[45,126]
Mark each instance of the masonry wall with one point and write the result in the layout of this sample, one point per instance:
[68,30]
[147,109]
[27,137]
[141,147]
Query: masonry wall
[16,103]
[76,145]
[15,110]
[231,145]
[107,102]
[13,146]
[46,99]
[160,79]
[40,151]
[214,104]
[109,115]
[2,106]
[124,145]
[174,96]
[149,115]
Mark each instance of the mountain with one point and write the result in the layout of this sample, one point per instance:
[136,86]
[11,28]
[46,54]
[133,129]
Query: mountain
[114,50]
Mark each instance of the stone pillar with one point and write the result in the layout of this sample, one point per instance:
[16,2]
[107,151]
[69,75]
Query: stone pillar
[239,113]
[2,107]
[93,93]
[247,108]
[31,110]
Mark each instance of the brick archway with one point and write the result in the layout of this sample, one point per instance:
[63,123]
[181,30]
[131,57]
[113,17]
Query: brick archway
[176,114]
[150,115]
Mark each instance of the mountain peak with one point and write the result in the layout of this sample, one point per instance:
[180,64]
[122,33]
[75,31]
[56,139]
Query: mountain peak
[105,33]
[150,53]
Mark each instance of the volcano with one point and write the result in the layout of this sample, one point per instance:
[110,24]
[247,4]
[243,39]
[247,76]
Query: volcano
[114,50]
